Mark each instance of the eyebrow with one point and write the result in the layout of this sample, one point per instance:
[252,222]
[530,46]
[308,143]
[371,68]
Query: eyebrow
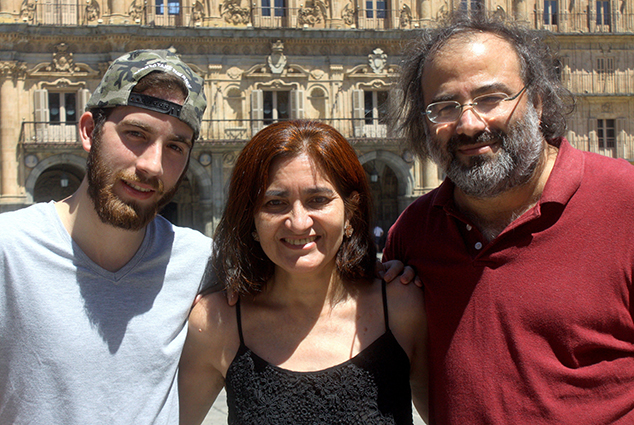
[488,88]
[309,191]
[145,127]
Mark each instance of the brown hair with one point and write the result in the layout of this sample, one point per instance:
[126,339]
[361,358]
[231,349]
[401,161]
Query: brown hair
[238,262]
[538,71]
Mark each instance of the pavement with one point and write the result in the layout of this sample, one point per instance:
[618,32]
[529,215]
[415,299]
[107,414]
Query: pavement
[218,413]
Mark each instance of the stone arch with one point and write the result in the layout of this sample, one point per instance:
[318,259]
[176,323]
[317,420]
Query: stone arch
[398,165]
[73,161]
[389,201]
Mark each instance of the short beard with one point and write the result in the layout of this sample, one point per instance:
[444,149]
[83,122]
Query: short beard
[127,215]
[520,151]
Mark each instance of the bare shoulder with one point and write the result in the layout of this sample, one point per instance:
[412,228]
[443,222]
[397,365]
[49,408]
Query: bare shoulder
[212,336]
[212,316]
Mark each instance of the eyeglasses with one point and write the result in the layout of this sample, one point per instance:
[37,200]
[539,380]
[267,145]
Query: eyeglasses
[450,111]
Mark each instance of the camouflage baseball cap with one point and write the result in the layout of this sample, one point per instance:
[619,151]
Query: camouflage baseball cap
[115,88]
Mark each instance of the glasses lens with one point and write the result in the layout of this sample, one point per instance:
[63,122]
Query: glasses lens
[442,112]
[488,103]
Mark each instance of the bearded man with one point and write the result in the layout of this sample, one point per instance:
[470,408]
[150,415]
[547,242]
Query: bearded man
[526,250]
[95,290]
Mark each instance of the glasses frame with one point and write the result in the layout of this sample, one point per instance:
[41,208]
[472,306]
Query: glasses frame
[471,104]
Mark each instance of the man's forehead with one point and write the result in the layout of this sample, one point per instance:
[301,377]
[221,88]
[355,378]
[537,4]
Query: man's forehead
[466,56]
[477,43]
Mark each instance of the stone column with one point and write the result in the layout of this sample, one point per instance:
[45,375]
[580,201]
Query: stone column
[218,194]
[10,192]
[430,175]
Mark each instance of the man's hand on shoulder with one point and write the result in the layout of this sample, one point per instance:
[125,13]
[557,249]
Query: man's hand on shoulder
[394,269]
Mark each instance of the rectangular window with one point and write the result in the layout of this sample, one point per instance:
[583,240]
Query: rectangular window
[603,12]
[378,6]
[550,12]
[375,106]
[275,105]
[473,6]
[173,7]
[374,112]
[605,67]
[606,133]
[278,8]
[62,108]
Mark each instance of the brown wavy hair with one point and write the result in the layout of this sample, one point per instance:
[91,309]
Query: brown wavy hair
[538,71]
[238,262]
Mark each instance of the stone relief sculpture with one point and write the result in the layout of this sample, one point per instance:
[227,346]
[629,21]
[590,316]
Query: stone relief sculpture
[62,60]
[198,13]
[405,17]
[93,11]
[27,11]
[136,11]
[277,60]
[234,13]
[377,61]
[349,14]
[314,12]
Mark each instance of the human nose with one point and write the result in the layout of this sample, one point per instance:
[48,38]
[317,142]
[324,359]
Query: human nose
[299,218]
[470,122]
[150,162]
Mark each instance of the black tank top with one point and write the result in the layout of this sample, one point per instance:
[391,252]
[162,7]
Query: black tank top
[370,388]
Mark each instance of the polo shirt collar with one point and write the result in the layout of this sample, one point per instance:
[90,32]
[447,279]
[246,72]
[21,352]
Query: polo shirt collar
[566,176]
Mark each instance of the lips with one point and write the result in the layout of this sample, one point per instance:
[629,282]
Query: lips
[476,150]
[302,241]
[139,188]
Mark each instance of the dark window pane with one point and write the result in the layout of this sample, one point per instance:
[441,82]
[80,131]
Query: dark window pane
[368,106]
[267,107]
[381,99]
[173,7]
[280,7]
[54,107]
[282,105]
[266,7]
[70,104]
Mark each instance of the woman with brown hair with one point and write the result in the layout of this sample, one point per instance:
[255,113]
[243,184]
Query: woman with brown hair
[315,338]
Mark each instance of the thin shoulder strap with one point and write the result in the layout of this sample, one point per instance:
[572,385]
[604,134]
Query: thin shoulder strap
[239,318]
[387,319]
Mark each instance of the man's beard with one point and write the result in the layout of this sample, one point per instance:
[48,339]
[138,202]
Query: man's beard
[485,176]
[111,209]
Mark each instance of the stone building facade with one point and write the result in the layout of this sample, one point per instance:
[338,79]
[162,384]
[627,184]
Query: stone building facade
[268,60]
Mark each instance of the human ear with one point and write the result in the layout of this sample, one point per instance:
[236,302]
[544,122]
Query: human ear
[86,127]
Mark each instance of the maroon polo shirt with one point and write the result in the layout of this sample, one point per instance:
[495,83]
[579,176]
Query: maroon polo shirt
[535,327]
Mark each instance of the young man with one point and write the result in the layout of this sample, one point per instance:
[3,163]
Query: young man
[95,290]
[526,251]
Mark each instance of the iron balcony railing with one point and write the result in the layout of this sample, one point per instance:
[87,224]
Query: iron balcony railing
[591,21]
[273,14]
[215,131]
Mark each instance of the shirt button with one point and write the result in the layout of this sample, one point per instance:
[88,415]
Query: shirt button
[478,245]
[469,227]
